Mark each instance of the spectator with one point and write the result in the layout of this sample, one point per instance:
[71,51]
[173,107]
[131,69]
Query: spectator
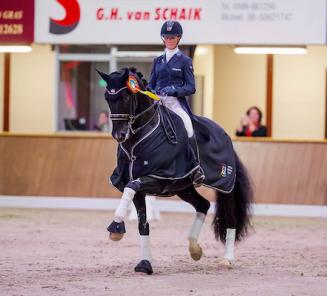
[103,122]
[250,124]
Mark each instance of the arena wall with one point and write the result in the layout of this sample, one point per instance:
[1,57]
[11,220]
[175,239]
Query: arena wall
[78,165]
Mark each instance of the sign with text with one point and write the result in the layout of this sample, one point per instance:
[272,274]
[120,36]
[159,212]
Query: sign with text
[16,22]
[204,22]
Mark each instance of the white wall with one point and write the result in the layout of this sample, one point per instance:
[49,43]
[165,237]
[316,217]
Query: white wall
[32,84]
[1,89]
[232,82]
[299,94]
[239,83]
[203,63]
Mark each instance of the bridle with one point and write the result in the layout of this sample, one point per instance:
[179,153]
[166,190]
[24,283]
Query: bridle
[132,117]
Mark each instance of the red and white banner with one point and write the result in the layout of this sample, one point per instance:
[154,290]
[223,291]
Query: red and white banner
[204,21]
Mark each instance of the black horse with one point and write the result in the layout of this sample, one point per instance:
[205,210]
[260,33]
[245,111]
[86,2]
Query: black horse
[153,157]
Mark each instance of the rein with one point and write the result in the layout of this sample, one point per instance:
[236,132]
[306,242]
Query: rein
[169,130]
[132,117]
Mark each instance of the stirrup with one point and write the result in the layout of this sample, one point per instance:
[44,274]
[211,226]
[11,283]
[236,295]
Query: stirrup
[198,177]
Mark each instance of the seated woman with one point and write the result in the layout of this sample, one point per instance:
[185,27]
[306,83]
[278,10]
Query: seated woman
[103,122]
[250,124]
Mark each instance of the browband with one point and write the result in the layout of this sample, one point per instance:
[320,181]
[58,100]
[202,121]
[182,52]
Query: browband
[113,92]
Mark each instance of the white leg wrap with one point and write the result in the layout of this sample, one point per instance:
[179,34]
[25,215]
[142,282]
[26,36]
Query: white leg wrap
[124,203]
[145,247]
[132,214]
[197,225]
[229,246]
[152,211]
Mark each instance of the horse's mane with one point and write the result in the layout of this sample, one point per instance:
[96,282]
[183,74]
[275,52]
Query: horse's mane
[139,75]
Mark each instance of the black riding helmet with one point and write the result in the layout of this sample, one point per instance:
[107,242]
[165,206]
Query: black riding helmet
[171,28]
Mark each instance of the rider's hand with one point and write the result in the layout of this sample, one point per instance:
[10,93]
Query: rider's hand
[169,91]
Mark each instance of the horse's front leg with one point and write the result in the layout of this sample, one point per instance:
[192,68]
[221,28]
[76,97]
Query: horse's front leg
[117,227]
[145,264]
[201,206]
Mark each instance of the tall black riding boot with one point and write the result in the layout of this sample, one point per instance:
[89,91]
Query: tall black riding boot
[198,175]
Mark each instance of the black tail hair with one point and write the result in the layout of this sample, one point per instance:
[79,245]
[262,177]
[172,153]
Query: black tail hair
[242,195]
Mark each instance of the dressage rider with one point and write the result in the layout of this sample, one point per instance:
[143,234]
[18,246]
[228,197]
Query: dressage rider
[172,78]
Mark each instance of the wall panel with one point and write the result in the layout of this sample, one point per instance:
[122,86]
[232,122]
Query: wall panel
[283,172]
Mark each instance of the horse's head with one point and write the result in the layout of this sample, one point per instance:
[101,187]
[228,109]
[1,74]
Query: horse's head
[124,104]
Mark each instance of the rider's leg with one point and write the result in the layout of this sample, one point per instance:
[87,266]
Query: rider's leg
[198,175]
[201,206]
[173,104]
[144,265]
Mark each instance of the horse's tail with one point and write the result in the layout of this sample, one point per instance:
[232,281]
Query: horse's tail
[234,206]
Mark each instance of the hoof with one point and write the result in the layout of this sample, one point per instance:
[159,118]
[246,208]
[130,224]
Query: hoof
[116,230]
[116,236]
[195,250]
[227,263]
[144,266]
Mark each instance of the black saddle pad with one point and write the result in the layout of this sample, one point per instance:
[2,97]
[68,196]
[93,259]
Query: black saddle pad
[216,154]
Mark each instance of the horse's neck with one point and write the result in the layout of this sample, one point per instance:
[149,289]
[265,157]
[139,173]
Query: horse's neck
[149,119]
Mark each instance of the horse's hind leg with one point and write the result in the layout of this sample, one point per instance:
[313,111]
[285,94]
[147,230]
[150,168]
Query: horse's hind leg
[144,265]
[227,210]
[201,206]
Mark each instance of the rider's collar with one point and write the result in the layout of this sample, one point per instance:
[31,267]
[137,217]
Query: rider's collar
[171,52]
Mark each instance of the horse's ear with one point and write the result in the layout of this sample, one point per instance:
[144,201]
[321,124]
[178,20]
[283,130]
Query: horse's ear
[104,76]
[126,74]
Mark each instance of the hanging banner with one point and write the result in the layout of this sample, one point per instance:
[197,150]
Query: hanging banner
[16,22]
[204,22]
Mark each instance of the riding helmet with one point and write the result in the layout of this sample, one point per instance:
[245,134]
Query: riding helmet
[171,28]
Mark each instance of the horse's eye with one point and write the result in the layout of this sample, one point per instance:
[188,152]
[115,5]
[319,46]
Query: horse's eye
[125,97]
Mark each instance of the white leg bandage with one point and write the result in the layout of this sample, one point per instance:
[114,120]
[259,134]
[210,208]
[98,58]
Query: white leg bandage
[145,247]
[229,246]
[124,203]
[197,225]
[152,211]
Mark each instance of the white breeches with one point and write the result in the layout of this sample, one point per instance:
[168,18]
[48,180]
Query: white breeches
[173,104]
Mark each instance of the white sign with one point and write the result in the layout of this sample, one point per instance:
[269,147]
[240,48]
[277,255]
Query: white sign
[204,22]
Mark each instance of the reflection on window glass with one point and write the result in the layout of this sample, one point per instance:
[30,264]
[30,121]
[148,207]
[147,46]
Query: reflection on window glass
[81,97]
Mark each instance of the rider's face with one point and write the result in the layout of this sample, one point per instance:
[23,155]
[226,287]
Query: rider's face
[171,41]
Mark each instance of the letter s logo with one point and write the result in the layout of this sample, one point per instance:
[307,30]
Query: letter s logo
[71,19]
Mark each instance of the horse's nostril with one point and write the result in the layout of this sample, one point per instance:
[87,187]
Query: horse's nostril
[120,136]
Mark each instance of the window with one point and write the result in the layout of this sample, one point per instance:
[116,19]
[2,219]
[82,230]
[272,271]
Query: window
[81,90]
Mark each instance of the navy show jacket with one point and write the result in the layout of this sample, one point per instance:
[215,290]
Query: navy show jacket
[178,72]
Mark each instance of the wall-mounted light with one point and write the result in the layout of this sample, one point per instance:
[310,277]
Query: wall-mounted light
[269,50]
[137,54]
[200,50]
[15,48]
